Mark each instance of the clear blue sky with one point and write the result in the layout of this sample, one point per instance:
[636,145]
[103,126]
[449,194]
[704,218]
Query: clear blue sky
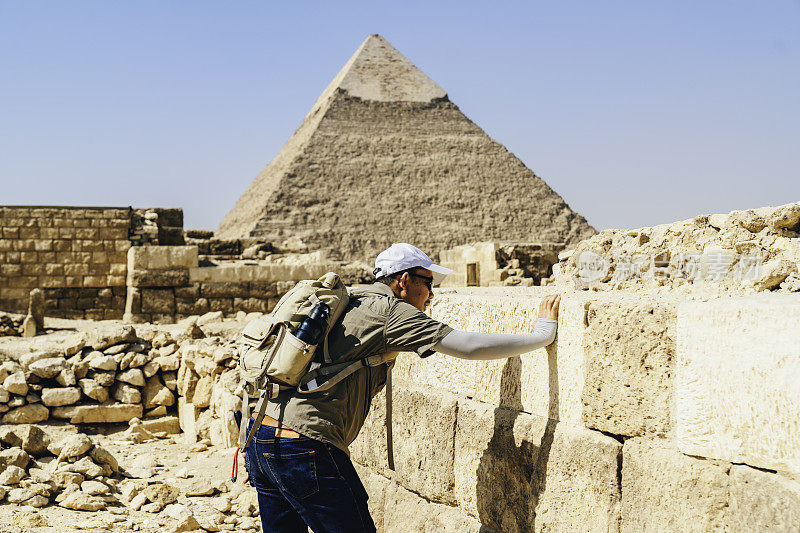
[637,113]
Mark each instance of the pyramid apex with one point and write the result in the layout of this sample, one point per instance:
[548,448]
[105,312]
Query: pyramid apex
[378,72]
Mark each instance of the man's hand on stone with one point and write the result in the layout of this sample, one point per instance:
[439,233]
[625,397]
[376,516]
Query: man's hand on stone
[548,308]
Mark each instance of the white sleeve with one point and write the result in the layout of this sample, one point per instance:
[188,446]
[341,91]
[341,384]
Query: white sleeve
[484,346]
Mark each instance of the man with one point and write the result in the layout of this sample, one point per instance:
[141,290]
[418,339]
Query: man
[298,461]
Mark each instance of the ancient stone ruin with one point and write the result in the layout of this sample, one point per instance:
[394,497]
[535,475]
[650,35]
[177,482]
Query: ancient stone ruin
[668,401]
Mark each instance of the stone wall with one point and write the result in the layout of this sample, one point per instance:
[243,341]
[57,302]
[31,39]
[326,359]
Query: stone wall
[53,248]
[167,283]
[648,413]
[491,264]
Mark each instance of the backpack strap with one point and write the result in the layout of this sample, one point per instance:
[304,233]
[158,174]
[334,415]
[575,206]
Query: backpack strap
[337,372]
[389,442]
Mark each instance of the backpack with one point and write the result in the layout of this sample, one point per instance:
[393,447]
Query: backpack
[272,359]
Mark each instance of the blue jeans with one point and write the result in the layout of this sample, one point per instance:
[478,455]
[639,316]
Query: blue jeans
[302,483]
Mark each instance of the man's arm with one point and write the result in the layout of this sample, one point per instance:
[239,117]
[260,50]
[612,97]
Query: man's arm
[486,346]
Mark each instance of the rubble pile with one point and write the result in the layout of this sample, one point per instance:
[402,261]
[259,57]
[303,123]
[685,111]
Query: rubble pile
[110,374]
[749,251]
[10,325]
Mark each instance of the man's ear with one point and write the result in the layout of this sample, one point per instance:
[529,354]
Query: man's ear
[403,280]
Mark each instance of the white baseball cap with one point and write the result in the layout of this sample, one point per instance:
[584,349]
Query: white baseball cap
[402,256]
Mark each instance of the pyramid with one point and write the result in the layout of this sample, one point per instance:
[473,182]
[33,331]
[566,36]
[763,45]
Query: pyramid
[384,156]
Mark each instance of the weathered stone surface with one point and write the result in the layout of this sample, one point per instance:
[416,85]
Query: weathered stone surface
[167,424]
[103,362]
[133,376]
[155,394]
[577,481]
[81,501]
[33,439]
[208,318]
[11,475]
[19,495]
[161,493]
[760,501]
[202,391]
[67,377]
[29,519]
[15,383]
[126,393]
[424,452]
[630,357]
[74,344]
[93,390]
[547,382]
[14,456]
[496,455]
[93,414]
[108,335]
[664,490]
[158,278]
[27,414]
[103,457]
[49,367]
[74,446]
[4,395]
[737,380]
[104,379]
[84,466]
[168,362]
[60,396]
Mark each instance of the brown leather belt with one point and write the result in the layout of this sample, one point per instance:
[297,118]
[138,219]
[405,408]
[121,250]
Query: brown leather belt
[280,431]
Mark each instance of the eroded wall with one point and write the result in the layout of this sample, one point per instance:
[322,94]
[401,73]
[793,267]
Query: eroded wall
[647,413]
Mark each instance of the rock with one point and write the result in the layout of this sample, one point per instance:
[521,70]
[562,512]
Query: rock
[161,493]
[187,524]
[133,376]
[177,511]
[208,318]
[74,344]
[95,488]
[103,457]
[67,377]
[116,349]
[167,424]
[198,488]
[158,411]
[126,393]
[37,501]
[27,359]
[138,501]
[170,380]
[167,350]
[11,475]
[774,272]
[33,439]
[19,495]
[192,331]
[202,391]
[84,466]
[48,368]
[74,446]
[61,396]
[10,436]
[143,467]
[155,394]
[168,363]
[93,390]
[104,336]
[29,519]
[93,414]
[785,217]
[65,479]
[27,414]
[17,401]
[16,384]
[14,456]
[4,395]
[80,501]
[103,362]
[150,369]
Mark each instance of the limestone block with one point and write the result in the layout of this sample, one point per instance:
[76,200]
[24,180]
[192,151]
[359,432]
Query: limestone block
[158,278]
[547,382]
[202,391]
[105,336]
[60,396]
[424,437]
[26,414]
[737,385]
[369,448]
[155,393]
[577,481]
[630,357]
[496,456]
[132,376]
[126,393]
[93,414]
[168,424]
[49,367]
[161,257]
[664,490]
[760,501]
[161,301]
[15,383]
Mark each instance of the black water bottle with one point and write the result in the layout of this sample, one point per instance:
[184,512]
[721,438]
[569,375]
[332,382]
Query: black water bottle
[311,330]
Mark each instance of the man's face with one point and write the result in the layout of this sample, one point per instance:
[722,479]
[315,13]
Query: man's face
[416,288]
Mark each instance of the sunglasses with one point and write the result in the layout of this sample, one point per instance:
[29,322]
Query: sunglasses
[428,280]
